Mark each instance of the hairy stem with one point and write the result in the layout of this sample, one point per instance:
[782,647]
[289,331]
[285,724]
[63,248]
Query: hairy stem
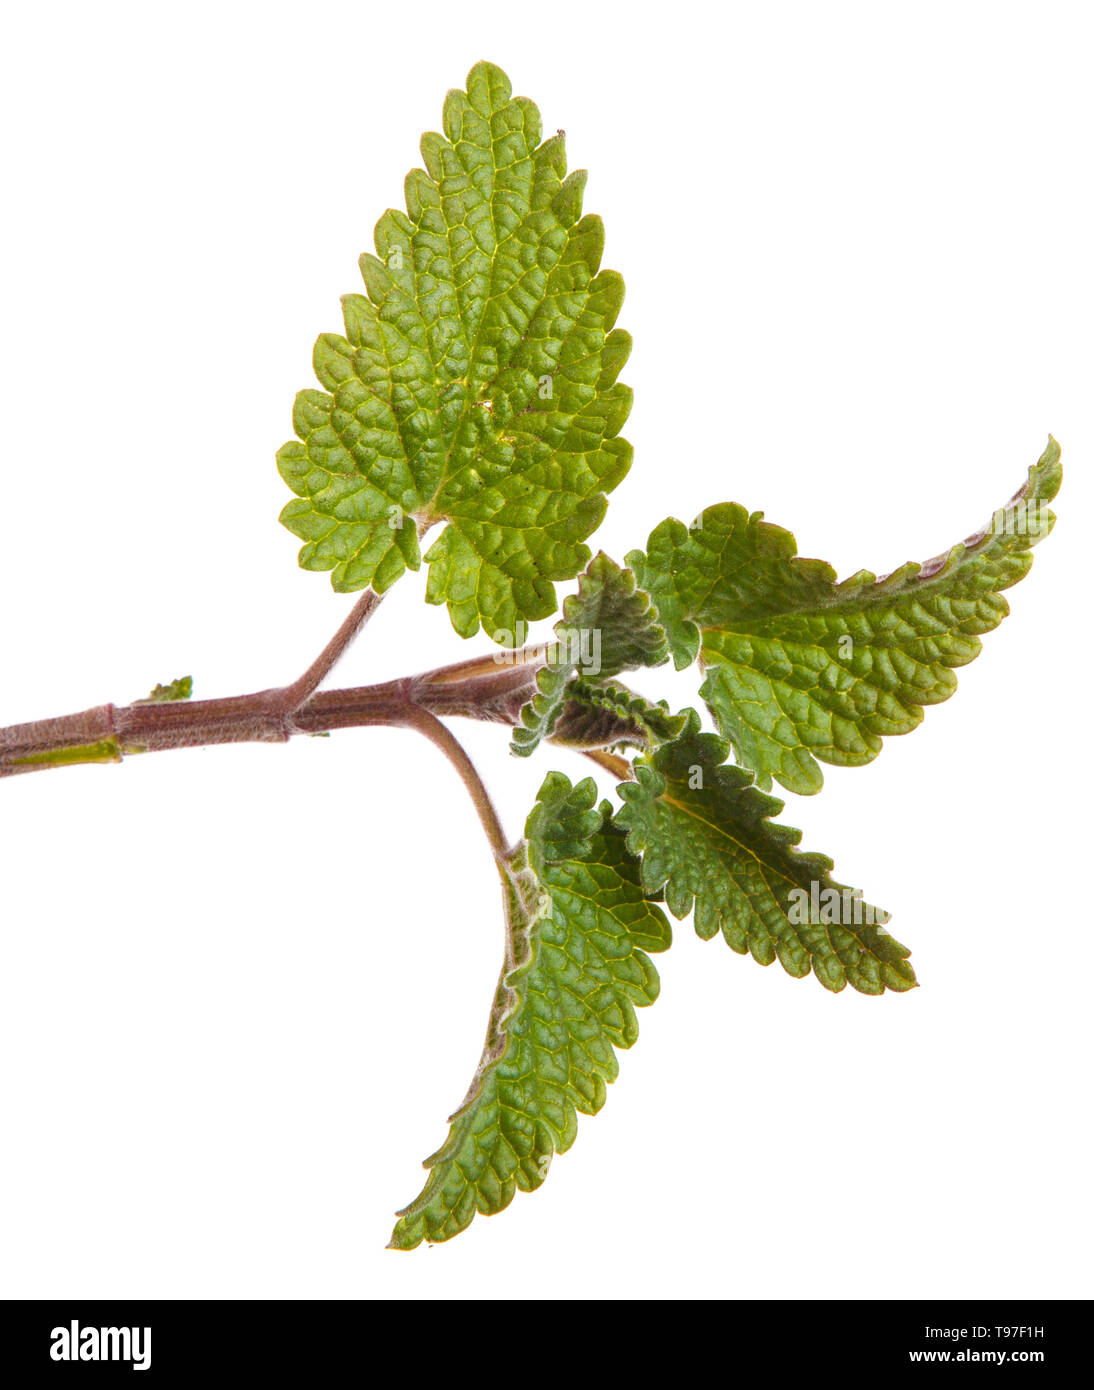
[493,688]
[290,697]
[428,724]
[619,767]
[479,689]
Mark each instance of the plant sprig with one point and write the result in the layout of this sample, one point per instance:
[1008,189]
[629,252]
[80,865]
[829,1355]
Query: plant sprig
[475,388]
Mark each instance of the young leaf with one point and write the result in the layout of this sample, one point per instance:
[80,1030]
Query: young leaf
[800,667]
[577,930]
[180,689]
[598,715]
[706,837]
[475,383]
[608,626]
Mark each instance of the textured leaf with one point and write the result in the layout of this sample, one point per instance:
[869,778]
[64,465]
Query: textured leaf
[608,626]
[475,383]
[180,689]
[706,837]
[600,715]
[800,667]
[578,928]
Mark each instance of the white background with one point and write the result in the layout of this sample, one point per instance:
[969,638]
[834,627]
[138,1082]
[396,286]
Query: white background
[241,988]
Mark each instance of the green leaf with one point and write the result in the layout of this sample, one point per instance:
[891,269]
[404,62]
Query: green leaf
[180,689]
[608,626]
[577,930]
[599,715]
[475,383]
[800,667]
[706,838]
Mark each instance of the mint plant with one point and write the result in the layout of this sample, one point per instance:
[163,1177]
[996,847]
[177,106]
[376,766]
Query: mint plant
[474,396]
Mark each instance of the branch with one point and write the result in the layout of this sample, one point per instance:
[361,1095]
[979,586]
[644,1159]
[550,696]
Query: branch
[493,688]
[290,698]
[619,767]
[479,689]
[428,724]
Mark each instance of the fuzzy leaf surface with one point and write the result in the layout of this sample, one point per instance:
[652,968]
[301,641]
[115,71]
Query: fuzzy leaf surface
[180,689]
[801,668]
[706,837]
[608,626]
[602,714]
[578,930]
[475,383]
